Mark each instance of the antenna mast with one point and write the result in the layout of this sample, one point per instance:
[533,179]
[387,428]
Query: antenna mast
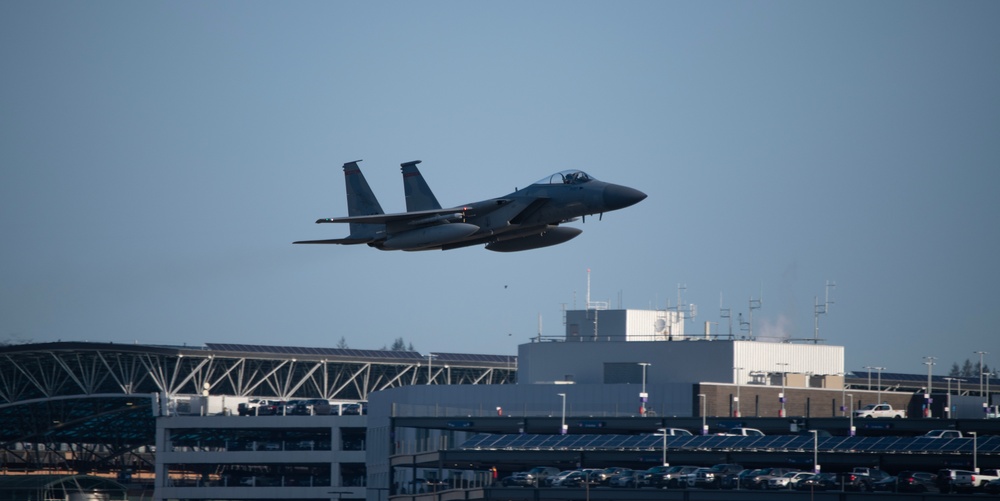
[755,304]
[821,309]
[726,313]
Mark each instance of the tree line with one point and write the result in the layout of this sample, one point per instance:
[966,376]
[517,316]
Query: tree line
[967,369]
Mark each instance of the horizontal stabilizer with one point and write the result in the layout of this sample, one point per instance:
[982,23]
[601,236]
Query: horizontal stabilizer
[342,241]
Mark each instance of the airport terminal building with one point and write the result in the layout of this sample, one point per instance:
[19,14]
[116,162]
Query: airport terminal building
[166,421]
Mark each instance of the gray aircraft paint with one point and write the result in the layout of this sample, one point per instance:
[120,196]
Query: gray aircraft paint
[526,219]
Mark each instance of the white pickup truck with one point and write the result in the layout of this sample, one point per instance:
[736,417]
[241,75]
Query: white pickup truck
[967,481]
[879,411]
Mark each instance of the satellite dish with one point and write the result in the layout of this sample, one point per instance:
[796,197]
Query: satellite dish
[660,324]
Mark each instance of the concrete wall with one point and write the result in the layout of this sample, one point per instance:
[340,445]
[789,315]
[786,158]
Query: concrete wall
[762,401]
[583,362]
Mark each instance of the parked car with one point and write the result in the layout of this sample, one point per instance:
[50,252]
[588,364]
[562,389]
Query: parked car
[908,481]
[747,478]
[967,481]
[268,408]
[744,432]
[624,478]
[353,410]
[534,476]
[788,480]
[652,477]
[691,479]
[576,478]
[712,479]
[603,476]
[945,478]
[819,482]
[311,407]
[678,432]
[761,479]
[732,480]
[992,487]
[674,476]
[942,434]
[861,479]
[879,411]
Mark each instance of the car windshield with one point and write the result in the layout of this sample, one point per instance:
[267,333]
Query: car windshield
[566,177]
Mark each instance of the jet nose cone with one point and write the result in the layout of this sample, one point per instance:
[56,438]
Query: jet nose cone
[619,197]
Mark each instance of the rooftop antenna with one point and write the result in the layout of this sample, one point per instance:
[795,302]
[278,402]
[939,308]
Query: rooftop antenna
[821,309]
[726,313]
[755,304]
[687,312]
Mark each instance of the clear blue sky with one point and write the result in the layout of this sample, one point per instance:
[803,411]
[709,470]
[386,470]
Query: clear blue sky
[158,159]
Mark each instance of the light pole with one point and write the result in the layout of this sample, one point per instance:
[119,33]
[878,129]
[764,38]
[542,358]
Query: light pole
[781,396]
[704,424]
[879,389]
[869,376]
[815,451]
[851,413]
[843,396]
[975,451]
[947,403]
[562,429]
[643,396]
[664,432]
[981,353]
[986,403]
[736,412]
[929,362]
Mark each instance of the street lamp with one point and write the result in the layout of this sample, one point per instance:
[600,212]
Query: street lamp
[929,362]
[947,403]
[704,425]
[981,353]
[843,395]
[975,451]
[986,403]
[851,413]
[562,429]
[815,451]
[781,396]
[879,389]
[663,431]
[643,396]
[736,413]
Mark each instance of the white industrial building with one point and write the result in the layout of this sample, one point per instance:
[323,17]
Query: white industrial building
[600,368]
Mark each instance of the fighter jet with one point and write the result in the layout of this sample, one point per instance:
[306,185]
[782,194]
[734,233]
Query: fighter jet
[528,218]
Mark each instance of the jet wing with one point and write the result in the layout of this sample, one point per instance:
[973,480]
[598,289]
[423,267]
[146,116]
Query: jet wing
[415,217]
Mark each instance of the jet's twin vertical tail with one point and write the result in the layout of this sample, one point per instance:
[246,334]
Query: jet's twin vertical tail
[418,195]
[361,200]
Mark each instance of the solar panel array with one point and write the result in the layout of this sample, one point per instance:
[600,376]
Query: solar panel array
[484,441]
[917,378]
[319,352]
[393,355]
[469,357]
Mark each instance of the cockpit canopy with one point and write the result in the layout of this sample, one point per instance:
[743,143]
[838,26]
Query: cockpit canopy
[566,177]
